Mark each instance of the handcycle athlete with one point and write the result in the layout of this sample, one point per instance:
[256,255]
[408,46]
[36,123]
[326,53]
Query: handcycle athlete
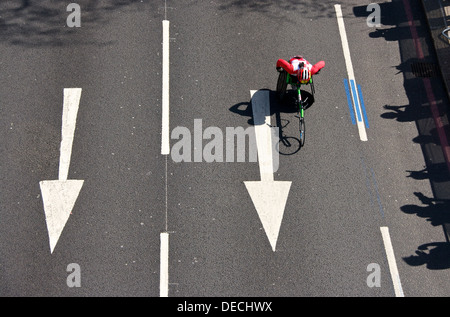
[298,71]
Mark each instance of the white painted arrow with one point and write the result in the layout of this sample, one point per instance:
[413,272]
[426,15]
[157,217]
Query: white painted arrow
[59,196]
[268,196]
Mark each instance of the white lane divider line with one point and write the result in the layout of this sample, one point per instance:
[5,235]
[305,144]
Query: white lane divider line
[165,141]
[391,261]
[164,265]
[165,150]
[351,73]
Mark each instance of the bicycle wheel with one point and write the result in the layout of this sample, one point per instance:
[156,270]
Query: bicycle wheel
[282,84]
[313,90]
[302,131]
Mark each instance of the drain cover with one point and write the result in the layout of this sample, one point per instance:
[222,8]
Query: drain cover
[425,69]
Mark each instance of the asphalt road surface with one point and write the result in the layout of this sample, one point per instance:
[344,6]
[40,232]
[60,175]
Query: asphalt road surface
[360,210]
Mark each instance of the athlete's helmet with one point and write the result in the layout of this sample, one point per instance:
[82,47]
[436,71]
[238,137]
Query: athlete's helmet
[303,74]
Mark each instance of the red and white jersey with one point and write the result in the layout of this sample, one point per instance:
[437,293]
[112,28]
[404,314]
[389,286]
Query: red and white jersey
[293,67]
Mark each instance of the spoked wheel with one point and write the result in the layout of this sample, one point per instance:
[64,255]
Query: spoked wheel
[302,131]
[282,84]
[313,90]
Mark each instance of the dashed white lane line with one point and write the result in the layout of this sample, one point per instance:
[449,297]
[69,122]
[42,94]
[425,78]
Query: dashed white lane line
[164,268]
[165,150]
[165,141]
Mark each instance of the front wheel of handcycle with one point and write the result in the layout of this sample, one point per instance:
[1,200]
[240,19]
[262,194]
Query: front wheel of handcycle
[302,131]
[282,84]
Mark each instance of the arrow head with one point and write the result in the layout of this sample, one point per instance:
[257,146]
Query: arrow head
[58,197]
[269,198]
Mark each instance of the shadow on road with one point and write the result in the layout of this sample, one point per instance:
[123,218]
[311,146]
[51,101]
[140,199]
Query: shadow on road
[277,9]
[436,256]
[42,23]
[288,144]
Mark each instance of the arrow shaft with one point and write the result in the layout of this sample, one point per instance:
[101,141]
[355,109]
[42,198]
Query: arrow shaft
[264,145]
[70,110]
[263,133]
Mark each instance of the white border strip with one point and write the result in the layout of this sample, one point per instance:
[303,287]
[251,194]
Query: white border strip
[392,263]
[351,73]
[165,142]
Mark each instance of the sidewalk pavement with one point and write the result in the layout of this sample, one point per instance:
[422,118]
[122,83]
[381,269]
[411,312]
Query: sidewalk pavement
[438,16]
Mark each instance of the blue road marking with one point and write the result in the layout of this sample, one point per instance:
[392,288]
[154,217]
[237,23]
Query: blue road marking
[366,120]
[349,101]
[355,99]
